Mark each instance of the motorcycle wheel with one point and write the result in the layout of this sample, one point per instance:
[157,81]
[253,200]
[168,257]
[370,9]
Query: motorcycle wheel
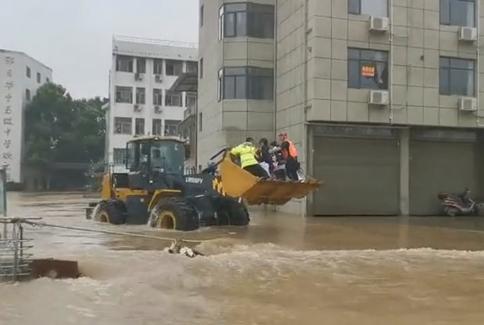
[452,212]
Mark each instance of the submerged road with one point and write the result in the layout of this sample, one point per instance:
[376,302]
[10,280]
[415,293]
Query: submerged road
[282,269]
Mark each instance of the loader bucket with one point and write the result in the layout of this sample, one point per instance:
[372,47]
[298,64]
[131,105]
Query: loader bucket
[240,183]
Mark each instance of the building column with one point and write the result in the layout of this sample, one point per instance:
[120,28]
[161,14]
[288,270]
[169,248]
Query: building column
[405,172]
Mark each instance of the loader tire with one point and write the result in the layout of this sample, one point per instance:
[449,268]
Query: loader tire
[176,214]
[112,212]
[239,216]
[232,212]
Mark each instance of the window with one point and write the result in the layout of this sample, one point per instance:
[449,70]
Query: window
[28,72]
[140,96]
[171,127]
[156,127]
[457,76]
[173,99]
[201,15]
[158,66]
[192,67]
[47,80]
[200,122]
[27,94]
[39,78]
[377,8]
[201,68]
[119,156]
[246,19]
[246,83]
[457,12]
[122,125]
[124,94]
[157,97]
[139,126]
[174,68]
[191,100]
[367,69]
[140,65]
[124,63]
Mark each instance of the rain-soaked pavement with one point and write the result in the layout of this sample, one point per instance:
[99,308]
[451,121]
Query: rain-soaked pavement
[282,269]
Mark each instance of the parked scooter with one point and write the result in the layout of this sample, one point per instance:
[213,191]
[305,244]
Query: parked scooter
[459,204]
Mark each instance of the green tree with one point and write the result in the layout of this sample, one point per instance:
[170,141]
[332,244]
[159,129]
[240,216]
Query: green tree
[60,129]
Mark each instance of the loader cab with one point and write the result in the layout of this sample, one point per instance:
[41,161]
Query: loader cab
[155,162]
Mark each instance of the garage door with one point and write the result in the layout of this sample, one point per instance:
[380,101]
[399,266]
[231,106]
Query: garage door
[436,167]
[361,176]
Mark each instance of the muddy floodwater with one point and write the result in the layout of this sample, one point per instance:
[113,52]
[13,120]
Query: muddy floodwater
[282,269]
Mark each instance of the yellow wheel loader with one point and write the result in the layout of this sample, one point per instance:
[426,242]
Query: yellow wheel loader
[155,190]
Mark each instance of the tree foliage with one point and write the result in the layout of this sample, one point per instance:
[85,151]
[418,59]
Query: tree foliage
[61,129]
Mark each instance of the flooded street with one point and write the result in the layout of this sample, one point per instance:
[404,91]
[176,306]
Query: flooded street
[282,269]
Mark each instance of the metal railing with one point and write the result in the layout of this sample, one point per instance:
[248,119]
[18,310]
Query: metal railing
[15,249]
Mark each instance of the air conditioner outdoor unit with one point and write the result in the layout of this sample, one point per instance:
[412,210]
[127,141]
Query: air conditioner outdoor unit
[379,97]
[158,78]
[158,110]
[379,24]
[468,34]
[138,76]
[138,108]
[468,104]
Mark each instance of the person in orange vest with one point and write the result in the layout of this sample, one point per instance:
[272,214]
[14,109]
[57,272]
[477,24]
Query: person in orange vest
[289,153]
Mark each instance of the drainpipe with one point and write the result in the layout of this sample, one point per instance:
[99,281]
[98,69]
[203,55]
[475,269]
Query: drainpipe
[274,119]
[306,140]
[390,79]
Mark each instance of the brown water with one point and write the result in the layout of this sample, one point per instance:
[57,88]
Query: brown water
[281,270]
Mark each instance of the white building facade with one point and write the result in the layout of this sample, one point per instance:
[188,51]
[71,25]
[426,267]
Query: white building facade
[142,72]
[20,77]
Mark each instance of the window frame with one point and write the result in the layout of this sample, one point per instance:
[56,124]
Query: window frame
[154,126]
[193,67]
[118,90]
[141,125]
[140,67]
[171,124]
[168,98]
[157,94]
[449,69]
[200,68]
[117,153]
[252,78]
[360,61]
[140,95]
[201,14]
[158,63]
[450,21]
[247,19]
[360,12]
[124,124]
[120,67]
[175,63]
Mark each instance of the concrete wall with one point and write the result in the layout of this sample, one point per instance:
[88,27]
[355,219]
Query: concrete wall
[127,79]
[13,85]
[419,40]
[229,122]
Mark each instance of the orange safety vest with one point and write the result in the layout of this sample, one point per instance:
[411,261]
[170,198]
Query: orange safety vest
[292,150]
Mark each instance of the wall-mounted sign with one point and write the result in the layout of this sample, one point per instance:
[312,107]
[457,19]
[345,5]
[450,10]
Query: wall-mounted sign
[368,71]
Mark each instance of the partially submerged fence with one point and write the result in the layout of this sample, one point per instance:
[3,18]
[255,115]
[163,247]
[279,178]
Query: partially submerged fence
[15,250]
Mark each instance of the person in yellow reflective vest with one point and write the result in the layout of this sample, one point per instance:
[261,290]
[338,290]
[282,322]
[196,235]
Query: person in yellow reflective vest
[247,152]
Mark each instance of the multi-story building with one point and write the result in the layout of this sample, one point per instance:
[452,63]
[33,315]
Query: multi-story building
[141,103]
[20,77]
[382,97]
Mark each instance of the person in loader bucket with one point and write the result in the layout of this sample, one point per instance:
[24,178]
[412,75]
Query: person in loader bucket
[247,152]
[289,153]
